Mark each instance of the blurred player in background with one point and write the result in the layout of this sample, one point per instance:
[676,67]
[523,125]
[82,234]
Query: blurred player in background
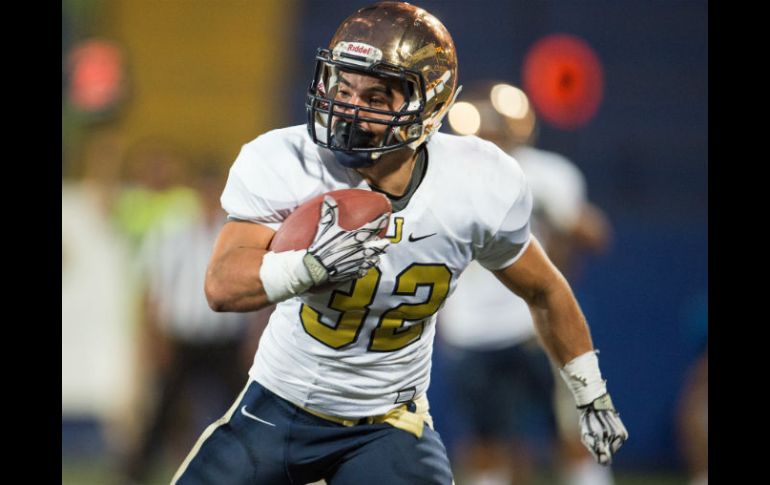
[338,385]
[196,356]
[156,191]
[693,407]
[502,379]
[693,421]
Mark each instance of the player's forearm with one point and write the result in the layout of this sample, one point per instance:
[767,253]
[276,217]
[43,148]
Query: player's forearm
[560,323]
[233,283]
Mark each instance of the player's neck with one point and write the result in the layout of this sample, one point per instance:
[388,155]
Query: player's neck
[392,173]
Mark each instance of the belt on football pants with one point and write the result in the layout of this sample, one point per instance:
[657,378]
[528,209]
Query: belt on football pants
[399,417]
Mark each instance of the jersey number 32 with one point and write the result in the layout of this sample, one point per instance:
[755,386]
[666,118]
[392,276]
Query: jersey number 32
[391,333]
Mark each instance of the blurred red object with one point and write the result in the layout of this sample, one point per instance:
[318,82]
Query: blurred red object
[96,75]
[564,79]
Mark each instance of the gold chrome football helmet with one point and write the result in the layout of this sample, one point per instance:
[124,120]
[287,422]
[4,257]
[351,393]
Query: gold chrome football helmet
[393,40]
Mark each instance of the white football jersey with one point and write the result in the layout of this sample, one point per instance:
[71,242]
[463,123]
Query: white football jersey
[483,313]
[558,189]
[364,347]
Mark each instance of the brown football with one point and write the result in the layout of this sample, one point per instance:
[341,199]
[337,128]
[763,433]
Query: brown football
[356,208]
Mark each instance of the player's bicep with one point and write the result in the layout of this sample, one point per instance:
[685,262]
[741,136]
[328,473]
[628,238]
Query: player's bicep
[241,234]
[532,274]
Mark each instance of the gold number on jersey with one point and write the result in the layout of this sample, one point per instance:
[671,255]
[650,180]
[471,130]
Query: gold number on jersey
[390,334]
[353,307]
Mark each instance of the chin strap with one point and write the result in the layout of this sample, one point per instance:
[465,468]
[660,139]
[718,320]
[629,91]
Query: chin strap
[347,135]
[354,159]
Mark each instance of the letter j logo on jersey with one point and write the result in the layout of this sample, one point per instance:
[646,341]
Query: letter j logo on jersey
[397,228]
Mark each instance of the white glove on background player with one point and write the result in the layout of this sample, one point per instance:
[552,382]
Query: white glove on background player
[335,255]
[601,429]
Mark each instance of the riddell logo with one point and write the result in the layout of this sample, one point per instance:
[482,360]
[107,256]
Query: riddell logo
[359,49]
[358,53]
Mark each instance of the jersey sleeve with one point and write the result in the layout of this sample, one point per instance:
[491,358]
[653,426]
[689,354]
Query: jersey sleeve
[512,235]
[256,190]
[558,187]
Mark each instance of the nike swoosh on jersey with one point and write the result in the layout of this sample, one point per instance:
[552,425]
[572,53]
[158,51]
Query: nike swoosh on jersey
[255,418]
[415,239]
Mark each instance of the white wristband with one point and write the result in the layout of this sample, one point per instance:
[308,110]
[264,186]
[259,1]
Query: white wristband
[583,378]
[284,275]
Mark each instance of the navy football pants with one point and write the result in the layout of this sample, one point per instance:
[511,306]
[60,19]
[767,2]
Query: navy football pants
[264,439]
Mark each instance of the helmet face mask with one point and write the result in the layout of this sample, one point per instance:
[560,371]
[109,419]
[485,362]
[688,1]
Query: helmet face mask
[406,48]
[322,106]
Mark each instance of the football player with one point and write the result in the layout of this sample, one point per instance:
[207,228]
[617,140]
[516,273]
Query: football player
[338,386]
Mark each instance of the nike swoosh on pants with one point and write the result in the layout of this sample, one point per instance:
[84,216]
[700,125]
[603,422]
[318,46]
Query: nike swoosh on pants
[255,418]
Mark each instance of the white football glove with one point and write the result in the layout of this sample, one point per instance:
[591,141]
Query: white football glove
[337,254]
[601,429]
